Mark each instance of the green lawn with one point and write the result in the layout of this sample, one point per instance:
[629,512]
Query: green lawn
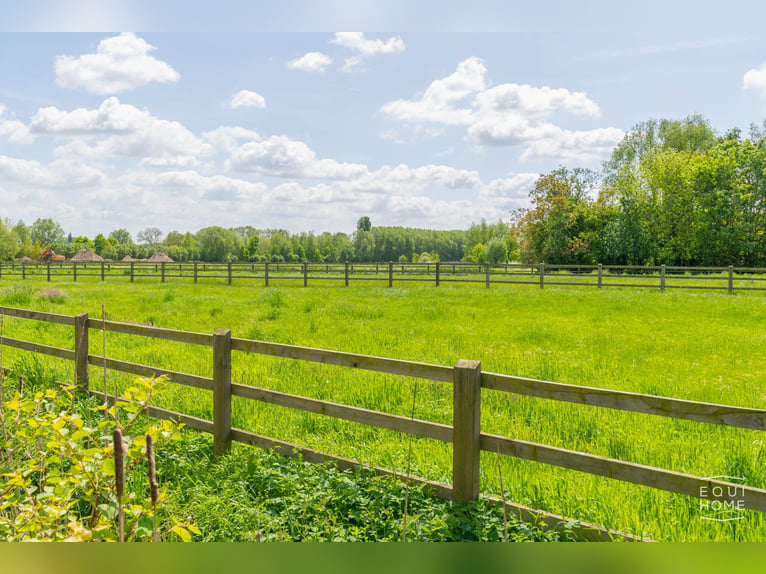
[698,345]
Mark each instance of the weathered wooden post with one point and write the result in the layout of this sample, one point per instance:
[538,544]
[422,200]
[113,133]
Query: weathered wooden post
[221,391]
[466,430]
[48,270]
[487,276]
[195,271]
[600,276]
[305,274]
[390,273]
[102,271]
[131,271]
[266,272]
[23,269]
[74,271]
[346,273]
[662,277]
[542,275]
[162,272]
[731,279]
[81,352]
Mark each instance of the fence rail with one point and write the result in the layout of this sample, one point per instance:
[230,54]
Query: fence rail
[540,275]
[465,433]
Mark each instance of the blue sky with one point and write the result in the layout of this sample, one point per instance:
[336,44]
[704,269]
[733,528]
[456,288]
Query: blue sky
[247,115]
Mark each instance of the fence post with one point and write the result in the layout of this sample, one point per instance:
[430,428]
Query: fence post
[221,391]
[48,270]
[228,271]
[162,272]
[390,273]
[195,271]
[305,273]
[346,273]
[23,270]
[437,273]
[731,279]
[542,275]
[600,276]
[487,276]
[266,272]
[74,271]
[662,277]
[466,430]
[102,271]
[81,352]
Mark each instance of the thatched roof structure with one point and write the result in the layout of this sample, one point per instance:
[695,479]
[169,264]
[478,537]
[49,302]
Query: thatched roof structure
[26,259]
[86,255]
[160,257]
[128,259]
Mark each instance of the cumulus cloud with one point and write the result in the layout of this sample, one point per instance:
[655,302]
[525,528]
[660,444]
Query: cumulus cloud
[116,129]
[12,129]
[311,62]
[281,156]
[121,63]
[755,79]
[364,47]
[506,115]
[247,99]
[228,138]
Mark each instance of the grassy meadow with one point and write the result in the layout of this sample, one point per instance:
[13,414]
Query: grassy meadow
[697,345]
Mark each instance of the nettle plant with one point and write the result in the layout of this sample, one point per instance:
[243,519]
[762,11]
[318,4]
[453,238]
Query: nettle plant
[57,468]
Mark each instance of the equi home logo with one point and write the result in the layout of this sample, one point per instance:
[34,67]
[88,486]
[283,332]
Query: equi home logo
[724,501]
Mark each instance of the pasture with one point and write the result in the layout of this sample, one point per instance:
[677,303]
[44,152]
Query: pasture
[698,345]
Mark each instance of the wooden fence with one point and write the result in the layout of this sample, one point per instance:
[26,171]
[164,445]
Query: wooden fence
[660,277]
[465,433]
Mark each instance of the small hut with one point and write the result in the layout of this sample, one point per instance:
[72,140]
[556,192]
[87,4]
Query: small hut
[128,259]
[86,255]
[25,259]
[160,257]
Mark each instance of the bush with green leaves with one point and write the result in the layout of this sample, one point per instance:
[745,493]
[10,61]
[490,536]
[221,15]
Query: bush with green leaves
[57,466]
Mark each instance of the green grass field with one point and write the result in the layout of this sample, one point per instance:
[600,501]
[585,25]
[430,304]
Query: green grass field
[706,346]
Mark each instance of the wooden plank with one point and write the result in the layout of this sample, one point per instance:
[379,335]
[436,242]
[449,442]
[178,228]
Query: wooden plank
[164,414]
[659,478]
[222,391]
[38,348]
[37,315]
[339,358]
[147,371]
[81,352]
[417,427]
[155,332]
[467,428]
[726,415]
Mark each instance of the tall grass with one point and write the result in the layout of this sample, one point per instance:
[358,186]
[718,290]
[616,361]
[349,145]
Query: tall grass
[695,345]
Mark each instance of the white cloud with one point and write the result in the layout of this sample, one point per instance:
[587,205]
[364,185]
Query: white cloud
[121,130]
[515,187]
[364,47]
[280,156]
[756,79]
[121,63]
[228,138]
[311,62]
[575,145]
[57,174]
[247,99]
[13,130]
[505,115]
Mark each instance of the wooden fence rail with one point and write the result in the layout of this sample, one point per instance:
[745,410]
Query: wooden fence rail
[465,433]
[539,275]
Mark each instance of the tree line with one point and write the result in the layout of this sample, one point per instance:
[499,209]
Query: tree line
[481,242]
[673,192]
